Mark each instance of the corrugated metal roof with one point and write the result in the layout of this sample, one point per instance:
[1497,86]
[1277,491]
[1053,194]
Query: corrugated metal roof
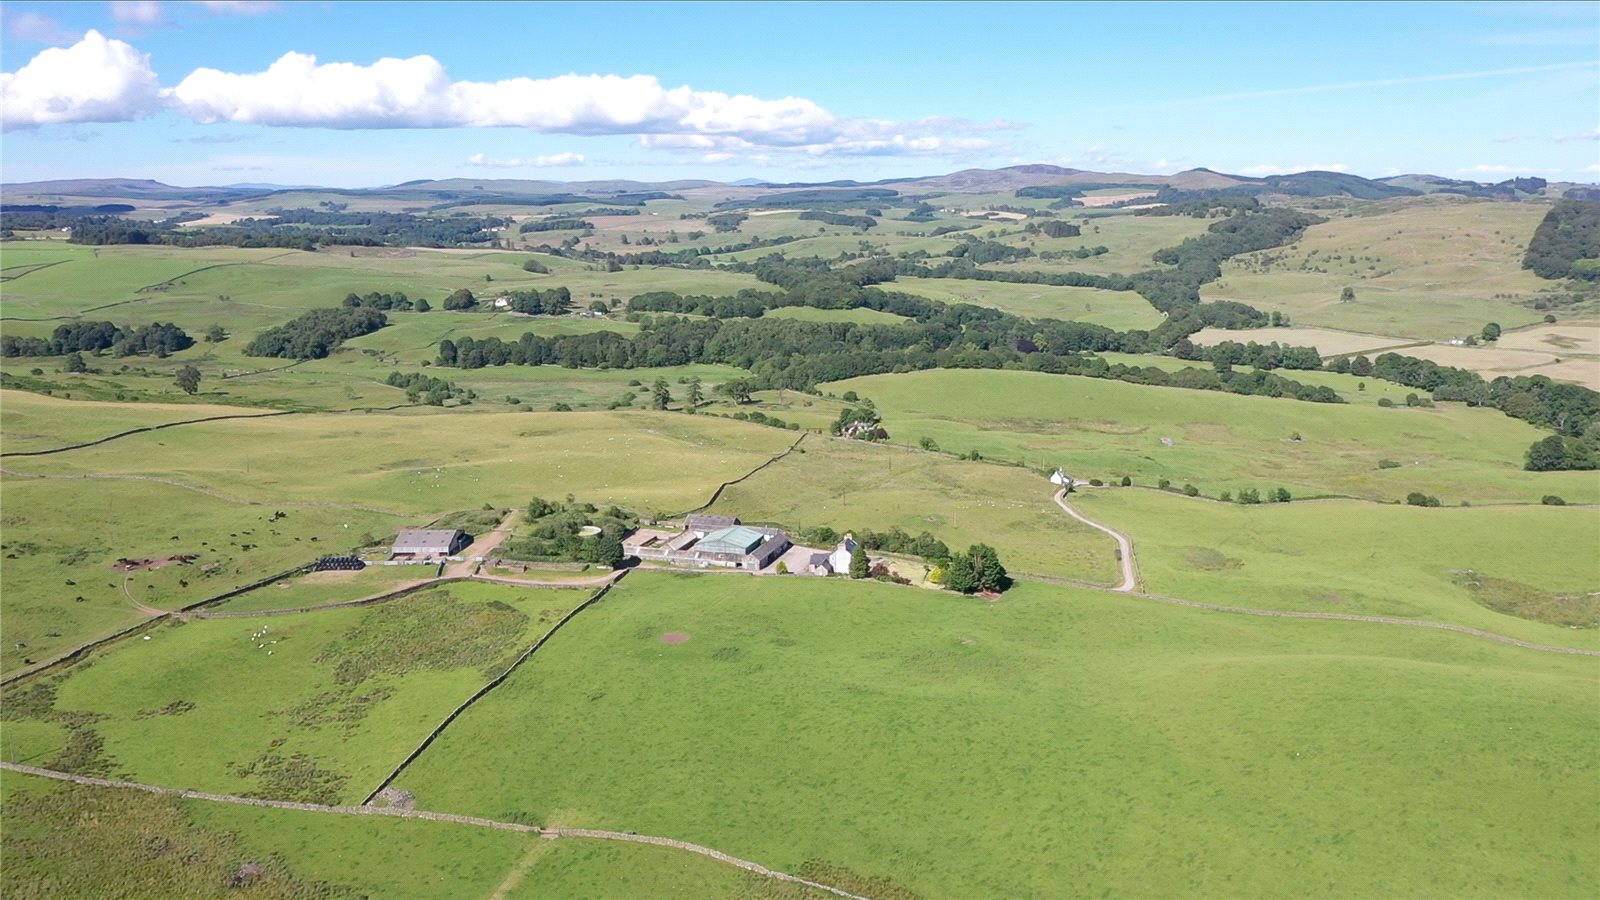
[737,539]
[426,537]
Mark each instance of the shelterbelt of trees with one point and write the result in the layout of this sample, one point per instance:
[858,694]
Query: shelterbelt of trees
[95,337]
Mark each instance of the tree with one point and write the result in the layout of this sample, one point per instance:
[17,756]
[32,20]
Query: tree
[75,362]
[1348,295]
[536,267]
[1417,498]
[1127,481]
[1491,331]
[461,298]
[859,564]
[608,551]
[929,444]
[987,570]
[216,334]
[783,568]
[189,379]
[1361,367]
[660,394]
[737,390]
[696,397]
[1280,495]
[959,576]
[423,306]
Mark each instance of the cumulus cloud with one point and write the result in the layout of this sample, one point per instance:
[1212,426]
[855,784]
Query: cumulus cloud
[1270,169]
[98,79]
[532,162]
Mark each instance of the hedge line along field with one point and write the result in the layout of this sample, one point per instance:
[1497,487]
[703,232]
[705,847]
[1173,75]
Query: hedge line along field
[315,707]
[1059,741]
[63,539]
[138,844]
[1527,571]
[33,422]
[1106,429]
[422,465]
[1420,269]
[849,484]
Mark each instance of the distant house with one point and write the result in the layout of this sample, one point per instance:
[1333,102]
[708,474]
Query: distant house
[429,542]
[839,559]
[1060,478]
[865,431]
[500,303]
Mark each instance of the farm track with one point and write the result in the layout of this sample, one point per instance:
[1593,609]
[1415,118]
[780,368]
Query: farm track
[425,815]
[1129,582]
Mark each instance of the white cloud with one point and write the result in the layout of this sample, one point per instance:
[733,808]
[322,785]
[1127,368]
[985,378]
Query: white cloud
[32,26]
[299,91]
[1507,139]
[1271,169]
[137,12]
[532,162]
[1593,168]
[239,7]
[98,79]
[1582,136]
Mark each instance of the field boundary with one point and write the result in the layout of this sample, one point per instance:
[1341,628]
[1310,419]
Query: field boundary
[493,683]
[717,494]
[425,815]
[144,430]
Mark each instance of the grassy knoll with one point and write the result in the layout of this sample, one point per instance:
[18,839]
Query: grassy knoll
[1100,428]
[1342,556]
[861,316]
[36,422]
[62,537]
[1056,742]
[1121,310]
[1420,269]
[424,464]
[320,716]
[848,484]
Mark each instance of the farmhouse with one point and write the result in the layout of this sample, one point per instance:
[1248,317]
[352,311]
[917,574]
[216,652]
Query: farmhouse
[414,543]
[708,541]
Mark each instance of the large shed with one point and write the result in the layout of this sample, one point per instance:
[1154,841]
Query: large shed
[430,542]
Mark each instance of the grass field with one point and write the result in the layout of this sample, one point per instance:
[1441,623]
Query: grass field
[30,421]
[1120,310]
[1350,557]
[1328,342]
[1492,362]
[63,536]
[850,484]
[1105,429]
[1056,742]
[644,460]
[862,315]
[1129,239]
[321,715]
[1420,269]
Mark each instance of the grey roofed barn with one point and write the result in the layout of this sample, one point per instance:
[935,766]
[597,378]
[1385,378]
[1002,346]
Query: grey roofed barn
[429,542]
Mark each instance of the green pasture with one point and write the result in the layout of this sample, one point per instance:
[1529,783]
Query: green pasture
[1057,742]
[90,277]
[1353,557]
[30,421]
[1120,310]
[321,588]
[421,465]
[860,315]
[1433,269]
[62,537]
[1097,428]
[852,484]
[1353,389]
[1129,240]
[321,715]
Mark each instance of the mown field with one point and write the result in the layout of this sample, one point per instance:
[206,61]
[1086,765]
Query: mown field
[1097,428]
[315,707]
[1527,571]
[1120,310]
[849,484]
[1059,741]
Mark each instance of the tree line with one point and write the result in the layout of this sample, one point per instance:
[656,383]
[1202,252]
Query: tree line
[316,333]
[156,339]
[1567,242]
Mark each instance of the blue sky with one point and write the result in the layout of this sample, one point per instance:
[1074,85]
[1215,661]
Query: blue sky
[224,92]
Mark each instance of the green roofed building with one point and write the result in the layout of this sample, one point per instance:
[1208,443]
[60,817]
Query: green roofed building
[738,539]
[708,541]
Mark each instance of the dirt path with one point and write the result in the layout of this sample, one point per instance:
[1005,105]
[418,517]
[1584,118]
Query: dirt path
[147,610]
[1124,546]
[482,547]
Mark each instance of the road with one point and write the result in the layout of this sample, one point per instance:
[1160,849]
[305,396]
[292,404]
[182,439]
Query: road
[1124,546]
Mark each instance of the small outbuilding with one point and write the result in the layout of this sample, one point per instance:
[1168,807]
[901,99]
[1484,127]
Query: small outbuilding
[414,542]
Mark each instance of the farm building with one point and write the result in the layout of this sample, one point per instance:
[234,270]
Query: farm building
[425,542]
[710,541]
[839,559]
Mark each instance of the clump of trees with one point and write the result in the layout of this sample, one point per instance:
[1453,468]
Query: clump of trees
[977,570]
[156,339]
[316,333]
[832,218]
[554,532]
[421,388]
[1567,243]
